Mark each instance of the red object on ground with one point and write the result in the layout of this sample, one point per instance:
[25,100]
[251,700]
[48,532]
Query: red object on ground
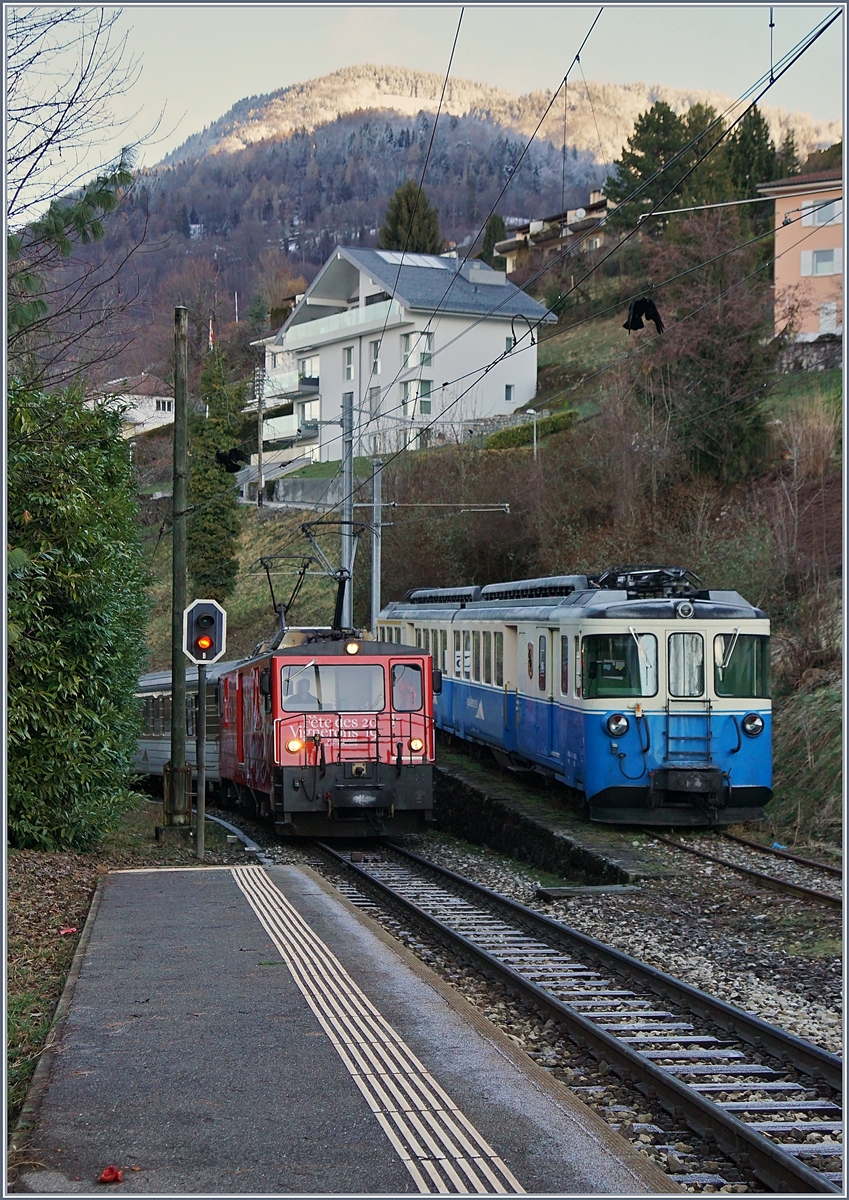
[67,929]
[110,1175]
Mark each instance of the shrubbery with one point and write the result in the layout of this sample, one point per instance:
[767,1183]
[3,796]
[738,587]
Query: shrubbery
[77,610]
[523,435]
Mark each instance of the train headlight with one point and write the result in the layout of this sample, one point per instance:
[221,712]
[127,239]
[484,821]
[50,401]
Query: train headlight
[617,725]
[416,744]
[352,648]
[294,745]
[753,724]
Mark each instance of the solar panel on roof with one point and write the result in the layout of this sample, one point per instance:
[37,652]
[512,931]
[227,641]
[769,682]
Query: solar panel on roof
[397,259]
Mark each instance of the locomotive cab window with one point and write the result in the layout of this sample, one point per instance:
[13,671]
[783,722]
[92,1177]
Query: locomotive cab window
[406,687]
[329,688]
[619,664]
[686,664]
[741,665]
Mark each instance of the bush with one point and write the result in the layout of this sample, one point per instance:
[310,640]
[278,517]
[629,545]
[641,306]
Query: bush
[77,607]
[523,435]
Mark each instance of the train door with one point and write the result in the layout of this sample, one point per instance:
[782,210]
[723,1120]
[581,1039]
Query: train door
[552,673]
[240,720]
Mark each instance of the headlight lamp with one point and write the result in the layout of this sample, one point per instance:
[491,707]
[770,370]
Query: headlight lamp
[753,724]
[617,725]
[294,745]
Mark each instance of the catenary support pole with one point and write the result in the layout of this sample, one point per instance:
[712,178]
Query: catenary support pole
[178,806]
[259,388]
[201,761]
[376,517]
[347,504]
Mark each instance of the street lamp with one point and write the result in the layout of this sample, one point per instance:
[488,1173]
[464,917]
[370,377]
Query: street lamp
[532,412]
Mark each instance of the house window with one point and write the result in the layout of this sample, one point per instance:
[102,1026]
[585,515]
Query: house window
[164,405]
[822,262]
[508,393]
[822,214]
[348,362]
[593,243]
[828,317]
[308,367]
[375,357]
[413,342]
[310,411]
[415,391]
[374,401]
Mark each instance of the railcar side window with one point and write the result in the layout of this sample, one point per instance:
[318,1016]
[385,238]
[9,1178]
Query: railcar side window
[543,646]
[329,688]
[443,643]
[406,687]
[741,665]
[619,664]
[564,666]
[487,657]
[457,658]
[577,665]
[418,637]
[467,654]
[476,655]
[686,664]
[499,659]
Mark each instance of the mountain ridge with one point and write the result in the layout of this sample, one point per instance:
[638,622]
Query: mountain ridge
[599,116]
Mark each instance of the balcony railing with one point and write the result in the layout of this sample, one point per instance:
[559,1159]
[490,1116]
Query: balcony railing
[279,429]
[288,384]
[354,321]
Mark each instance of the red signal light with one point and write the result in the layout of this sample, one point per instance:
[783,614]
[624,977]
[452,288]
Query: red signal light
[204,642]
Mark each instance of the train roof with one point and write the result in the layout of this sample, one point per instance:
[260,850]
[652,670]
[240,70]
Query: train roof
[632,592]
[160,681]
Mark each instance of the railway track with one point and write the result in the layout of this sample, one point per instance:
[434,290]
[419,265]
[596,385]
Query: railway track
[818,883]
[768,1099]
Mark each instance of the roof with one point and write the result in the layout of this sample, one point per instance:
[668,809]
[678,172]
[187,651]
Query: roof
[137,385]
[833,177]
[427,281]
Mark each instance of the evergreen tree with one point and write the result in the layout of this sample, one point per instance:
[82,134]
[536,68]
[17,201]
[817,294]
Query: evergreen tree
[710,182]
[411,222]
[215,516]
[751,155]
[658,136]
[788,157]
[495,231]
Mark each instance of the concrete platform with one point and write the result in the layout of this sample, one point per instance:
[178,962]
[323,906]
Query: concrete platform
[247,1031]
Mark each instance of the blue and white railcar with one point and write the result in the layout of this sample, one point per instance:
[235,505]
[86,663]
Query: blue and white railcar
[639,688]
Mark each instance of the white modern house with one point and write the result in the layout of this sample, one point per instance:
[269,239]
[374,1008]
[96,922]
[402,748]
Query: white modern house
[429,348]
[149,401]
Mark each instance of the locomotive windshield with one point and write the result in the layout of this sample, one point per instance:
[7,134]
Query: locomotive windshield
[741,665]
[316,688]
[619,664]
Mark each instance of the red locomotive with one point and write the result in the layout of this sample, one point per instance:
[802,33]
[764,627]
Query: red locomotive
[331,734]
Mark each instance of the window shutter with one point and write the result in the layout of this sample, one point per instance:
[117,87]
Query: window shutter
[807,263]
[838,260]
[807,216]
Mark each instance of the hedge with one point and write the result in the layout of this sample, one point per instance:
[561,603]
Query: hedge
[523,435]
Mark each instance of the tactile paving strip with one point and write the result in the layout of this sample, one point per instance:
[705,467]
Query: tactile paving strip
[438,1145]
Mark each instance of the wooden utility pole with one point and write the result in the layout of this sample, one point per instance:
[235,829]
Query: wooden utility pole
[177,807]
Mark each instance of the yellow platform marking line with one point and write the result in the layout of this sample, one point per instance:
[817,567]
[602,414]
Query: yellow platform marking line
[438,1145]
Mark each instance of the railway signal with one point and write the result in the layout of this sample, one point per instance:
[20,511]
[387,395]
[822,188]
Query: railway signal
[204,632]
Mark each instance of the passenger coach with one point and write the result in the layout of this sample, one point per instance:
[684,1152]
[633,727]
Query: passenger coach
[639,688]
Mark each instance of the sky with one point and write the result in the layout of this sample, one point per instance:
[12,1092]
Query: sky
[198,60]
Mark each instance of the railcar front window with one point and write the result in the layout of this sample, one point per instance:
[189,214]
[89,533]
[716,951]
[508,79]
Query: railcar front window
[686,664]
[406,687]
[329,688]
[619,664]
[741,665]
